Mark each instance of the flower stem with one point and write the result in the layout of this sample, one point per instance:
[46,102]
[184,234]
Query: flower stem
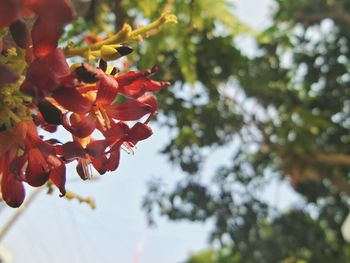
[125,34]
[13,116]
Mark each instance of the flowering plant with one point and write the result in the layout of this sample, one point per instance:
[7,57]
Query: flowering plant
[38,89]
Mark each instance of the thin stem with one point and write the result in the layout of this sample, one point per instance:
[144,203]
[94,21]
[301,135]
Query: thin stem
[125,34]
[8,225]
[13,116]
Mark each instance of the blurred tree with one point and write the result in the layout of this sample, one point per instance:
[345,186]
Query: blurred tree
[286,109]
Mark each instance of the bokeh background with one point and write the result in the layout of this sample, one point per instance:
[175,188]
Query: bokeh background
[249,161]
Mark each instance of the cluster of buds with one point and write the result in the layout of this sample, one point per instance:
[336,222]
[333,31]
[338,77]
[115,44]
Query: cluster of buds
[38,89]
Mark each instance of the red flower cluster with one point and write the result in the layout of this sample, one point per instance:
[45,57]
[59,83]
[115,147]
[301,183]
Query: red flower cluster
[50,16]
[82,99]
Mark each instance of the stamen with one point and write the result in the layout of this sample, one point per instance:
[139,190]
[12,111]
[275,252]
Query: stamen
[106,118]
[128,148]
[100,119]
[86,168]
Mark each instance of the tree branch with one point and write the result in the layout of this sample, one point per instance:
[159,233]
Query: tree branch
[333,159]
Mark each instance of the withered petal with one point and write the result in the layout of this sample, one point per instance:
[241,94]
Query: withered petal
[16,166]
[20,34]
[88,73]
[50,113]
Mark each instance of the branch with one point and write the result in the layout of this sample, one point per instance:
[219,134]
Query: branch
[333,159]
[120,15]
[336,12]
[8,225]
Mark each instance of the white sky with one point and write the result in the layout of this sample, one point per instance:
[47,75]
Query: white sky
[56,230]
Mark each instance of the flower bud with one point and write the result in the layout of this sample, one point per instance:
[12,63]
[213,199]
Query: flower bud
[109,52]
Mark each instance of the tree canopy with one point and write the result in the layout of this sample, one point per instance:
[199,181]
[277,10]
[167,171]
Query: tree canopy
[286,108]
[283,112]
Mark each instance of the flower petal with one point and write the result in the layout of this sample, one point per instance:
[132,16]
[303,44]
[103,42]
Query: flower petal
[53,15]
[37,172]
[10,11]
[45,75]
[107,89]
[83,128]
[45,37]
[58,175]
[113,160]
[150,100]
[131,76]
[57,62]
[134,90]
[6,142]
[104,164]
[128,111]
[139,132]
[117,130]
[59,11]
[100,164]
[97,148]
[73,150]
[12,190]
[83,169]
[142,85]
[17,166]
[72,100]
[40,80]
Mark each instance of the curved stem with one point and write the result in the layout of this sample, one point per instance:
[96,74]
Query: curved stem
[125,34]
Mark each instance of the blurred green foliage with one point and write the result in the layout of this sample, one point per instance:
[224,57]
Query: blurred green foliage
[286,110]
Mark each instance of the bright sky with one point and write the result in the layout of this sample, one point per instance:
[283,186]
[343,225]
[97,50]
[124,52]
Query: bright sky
[56,230]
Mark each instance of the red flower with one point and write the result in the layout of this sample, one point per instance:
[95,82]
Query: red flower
[46,74]
[136,83]
[50,76]
[12,188]
[102,111]
[103,155]
[51,94]
[90,152]
[35,166]
[51,16]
